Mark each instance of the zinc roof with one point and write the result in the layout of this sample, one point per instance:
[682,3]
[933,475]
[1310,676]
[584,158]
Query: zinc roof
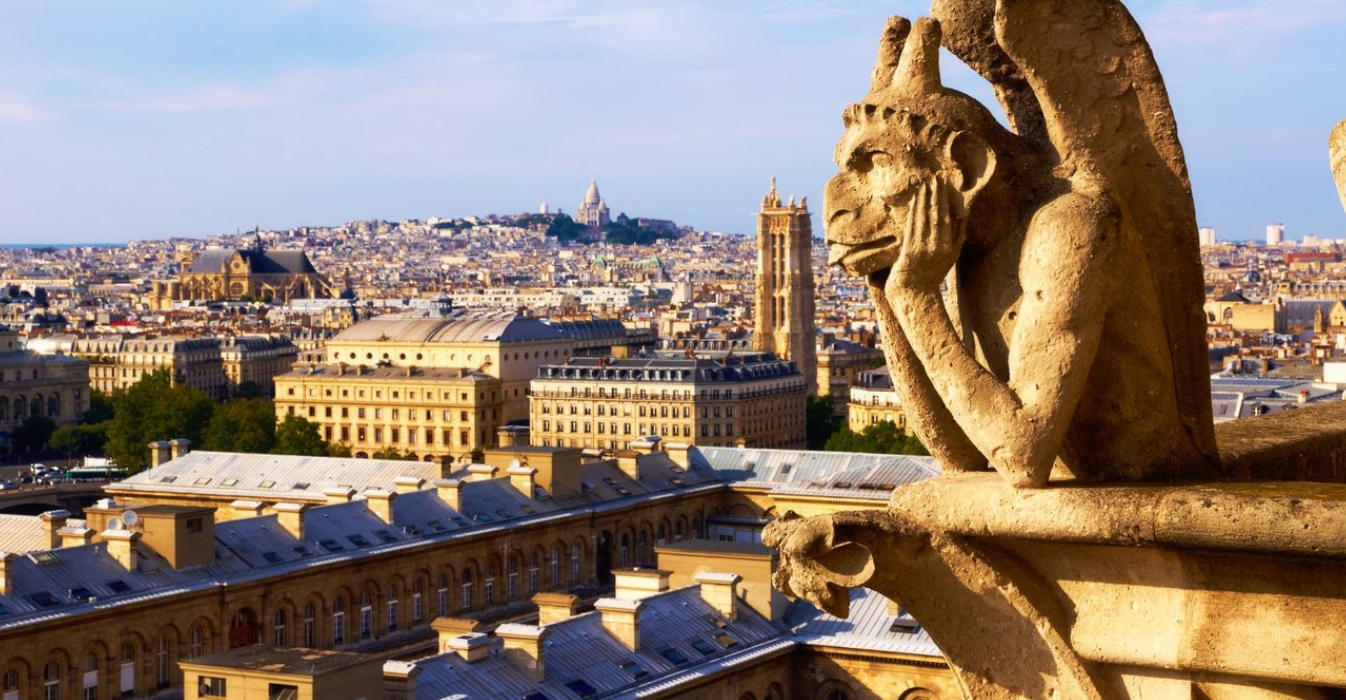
[870,626]
[21,533]
[809,470]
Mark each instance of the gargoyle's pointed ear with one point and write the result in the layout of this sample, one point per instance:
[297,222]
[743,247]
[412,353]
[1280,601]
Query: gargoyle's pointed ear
[890,52]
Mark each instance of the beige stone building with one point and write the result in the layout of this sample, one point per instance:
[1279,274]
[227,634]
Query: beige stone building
[502,346]
[118,362]
[229,274]
[55,386]
[603,403]
[257,359]
[269,673]
[430,412]
[783,311]
[872,400]
[362,556]
[840,363]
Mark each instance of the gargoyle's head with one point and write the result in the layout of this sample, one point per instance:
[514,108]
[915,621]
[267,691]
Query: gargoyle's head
[907,131]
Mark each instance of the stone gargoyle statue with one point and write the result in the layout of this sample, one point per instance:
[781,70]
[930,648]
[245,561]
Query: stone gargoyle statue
[1071,344]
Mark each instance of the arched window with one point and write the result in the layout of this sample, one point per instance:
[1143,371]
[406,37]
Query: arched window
[512,579]
[4,415]
[11,682]
[417,604]
[339,622]
[467,589]
[164,662]
[90,679]
[36,408]
[574,563]
[282,635]
[310,626]
[51,681]
[54,406]
[643,548]
[488,590]
[442,596]
[198,643]
[392,608]
[625,551]
[532,574]
[20,407]
[555,579]
[366,615]
[128,670]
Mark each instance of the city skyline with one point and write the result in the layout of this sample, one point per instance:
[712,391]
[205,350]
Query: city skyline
[169,120]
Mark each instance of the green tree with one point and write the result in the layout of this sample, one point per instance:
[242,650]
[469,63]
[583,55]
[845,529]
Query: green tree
[100,408]
[819,421]
[248,390]
[338,450]
[393,453]
[151,410]
[564,228]
[79,439]
[297,435]
[33,433]
[883,437]
[242,425]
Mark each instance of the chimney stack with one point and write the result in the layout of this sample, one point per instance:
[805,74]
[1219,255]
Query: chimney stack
[76,536]
[680,453]
[380,503]
[621,618]
[450,628]
[720,591]
[481,472]
[522,479]
[399,680]
[555,607]
[6,577]
[409,484]
[121,545]
[246,509]
[634,584]
[180,447]
[340,494]
[451,492]
[629,462]
[524,646]
[290,517]
[471,646]
[160,452]
[52,522]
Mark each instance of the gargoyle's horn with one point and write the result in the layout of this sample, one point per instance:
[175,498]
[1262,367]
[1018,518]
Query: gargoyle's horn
[918,69]
[890,51]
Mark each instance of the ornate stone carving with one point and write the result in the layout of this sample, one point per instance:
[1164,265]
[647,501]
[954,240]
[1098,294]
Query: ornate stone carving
[1071,344]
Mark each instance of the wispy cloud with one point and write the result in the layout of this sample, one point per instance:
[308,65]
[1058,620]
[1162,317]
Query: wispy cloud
[17,109]
[1257,21]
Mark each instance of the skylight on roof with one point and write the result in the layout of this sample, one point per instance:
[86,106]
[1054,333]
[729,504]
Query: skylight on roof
[80,594]
[229,482]
[331,545]
[582,688]
[266,485]
[43,558]
[358,540]
[43,599]
[725,640]
[272,557]
[301,486]
[3,610]
[202,481]
[385,535]
[168,479]
[702,646]
[634,670]
[673,655]
[118,586]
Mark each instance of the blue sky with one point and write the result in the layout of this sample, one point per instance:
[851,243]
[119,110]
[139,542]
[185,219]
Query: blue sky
[154,118]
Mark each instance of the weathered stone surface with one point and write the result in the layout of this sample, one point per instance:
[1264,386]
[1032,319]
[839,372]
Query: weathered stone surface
[1100,592]
[1071,344]
[1337,149]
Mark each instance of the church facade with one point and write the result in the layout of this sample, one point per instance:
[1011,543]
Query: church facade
[233,274]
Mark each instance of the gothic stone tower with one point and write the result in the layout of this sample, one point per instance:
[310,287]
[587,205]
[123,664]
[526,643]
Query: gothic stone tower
[783,313]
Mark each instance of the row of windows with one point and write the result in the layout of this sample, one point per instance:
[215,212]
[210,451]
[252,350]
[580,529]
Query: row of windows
[396,414]
[327,392]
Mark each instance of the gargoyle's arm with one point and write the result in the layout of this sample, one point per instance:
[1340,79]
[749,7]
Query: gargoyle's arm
[1020,425]
[930,418]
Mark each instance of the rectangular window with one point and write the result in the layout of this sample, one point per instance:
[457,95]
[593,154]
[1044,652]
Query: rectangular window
[208,687]
[417,608]
[366,622]
[392,616]
[338,628]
